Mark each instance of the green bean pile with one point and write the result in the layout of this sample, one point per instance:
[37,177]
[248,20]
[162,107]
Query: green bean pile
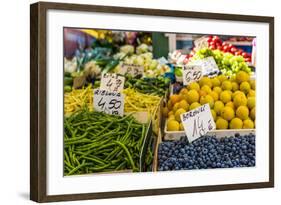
[97,142]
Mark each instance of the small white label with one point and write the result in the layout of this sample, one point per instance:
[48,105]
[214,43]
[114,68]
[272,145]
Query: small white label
[109,102]
[191,73]
[201,43]
[208,65]
[112,82]
[198,122]
[131,69]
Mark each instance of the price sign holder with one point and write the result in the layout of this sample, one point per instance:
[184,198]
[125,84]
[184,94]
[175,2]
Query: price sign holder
[109,102]
[112,82]
[131,69]
[198,122]
[191,73]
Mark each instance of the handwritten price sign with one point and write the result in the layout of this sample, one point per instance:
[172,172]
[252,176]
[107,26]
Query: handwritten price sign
[201,43]
[112,82]
[132,69]
[109,102]
[191,73]
[198,122]
[208,65]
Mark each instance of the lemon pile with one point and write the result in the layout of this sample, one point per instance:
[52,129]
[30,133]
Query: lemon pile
[232,101]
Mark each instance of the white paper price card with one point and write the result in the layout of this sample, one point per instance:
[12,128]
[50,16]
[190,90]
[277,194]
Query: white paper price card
[112,82]
[208,65]
[132,69]
[201,43]
[109,102]
[198,122]
[191,73]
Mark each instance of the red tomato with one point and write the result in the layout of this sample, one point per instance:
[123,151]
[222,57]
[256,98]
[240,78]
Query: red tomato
[224,43]
[244,54]
[212,43]
[219,47]
[233,50]
[216,38]
[225,48]
[212,47]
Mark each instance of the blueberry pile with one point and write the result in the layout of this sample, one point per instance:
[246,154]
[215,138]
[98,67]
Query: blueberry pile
[207,152]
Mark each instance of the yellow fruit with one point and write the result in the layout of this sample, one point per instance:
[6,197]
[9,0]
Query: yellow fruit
[194,86]
[230,104]
[251,93]
[202,93]
[181,127]
[242,112]
[175,98]
[205,81]
[215,82]
[217,89]
[225,96]
[176,107]
[221,124]
[226,85]
[178,114]
[235,86]
[183,91]
[245,87]
[171,117]
[183,104]
[165,111]
[236,123]
[222,78]
[194,105]
[192,96]
[170,105]
[236,92]
[173,125]
[170,113]
[253,113]
[214,114]
[248,124]
[214,95]
[206,88]
[218,106]
[253,84]
[233,78]
[251,102]
[207,99]
[227,113]
[242,76]
[240,99]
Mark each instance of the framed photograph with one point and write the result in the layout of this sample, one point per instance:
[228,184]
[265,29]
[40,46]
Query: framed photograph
[135,102]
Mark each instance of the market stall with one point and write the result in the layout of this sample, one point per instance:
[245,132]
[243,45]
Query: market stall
[127,110]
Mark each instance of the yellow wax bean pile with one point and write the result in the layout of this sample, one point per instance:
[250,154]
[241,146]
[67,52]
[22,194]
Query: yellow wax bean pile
[77,99]
[135,101]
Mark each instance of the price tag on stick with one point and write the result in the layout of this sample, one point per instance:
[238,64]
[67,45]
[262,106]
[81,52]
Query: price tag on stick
[112,82]
[198,122]
[191,73]
[109,102]
[132,69]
